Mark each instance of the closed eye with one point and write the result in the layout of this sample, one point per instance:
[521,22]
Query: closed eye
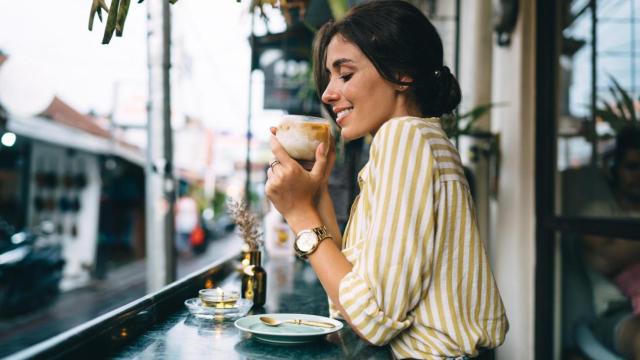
[346,77]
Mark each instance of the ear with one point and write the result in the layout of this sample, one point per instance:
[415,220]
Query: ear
[405,79]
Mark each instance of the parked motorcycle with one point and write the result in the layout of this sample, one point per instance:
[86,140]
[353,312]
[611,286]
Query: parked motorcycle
[31,265]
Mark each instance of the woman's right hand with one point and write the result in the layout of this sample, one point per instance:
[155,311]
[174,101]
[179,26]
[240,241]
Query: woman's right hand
[331,159]
[290,187]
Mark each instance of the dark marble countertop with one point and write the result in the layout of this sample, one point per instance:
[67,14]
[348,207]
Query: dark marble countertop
[292,287]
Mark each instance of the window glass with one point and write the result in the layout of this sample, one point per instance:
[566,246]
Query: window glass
[600,292]
[72,157]
[598,144]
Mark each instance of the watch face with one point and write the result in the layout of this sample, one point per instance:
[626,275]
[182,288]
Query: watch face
[306,241]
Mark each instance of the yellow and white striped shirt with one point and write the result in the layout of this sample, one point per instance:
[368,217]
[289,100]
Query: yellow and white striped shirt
[421,280]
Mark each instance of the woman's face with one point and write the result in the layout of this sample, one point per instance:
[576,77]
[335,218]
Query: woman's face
[360,97]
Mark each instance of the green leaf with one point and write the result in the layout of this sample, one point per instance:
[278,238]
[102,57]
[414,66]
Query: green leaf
[613,118]
[123,10]
[338,8]
[618,103]
[111,21]
[628,101]
[474,115]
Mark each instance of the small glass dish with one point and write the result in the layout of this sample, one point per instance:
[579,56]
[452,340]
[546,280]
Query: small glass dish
[198,309]
[219,298]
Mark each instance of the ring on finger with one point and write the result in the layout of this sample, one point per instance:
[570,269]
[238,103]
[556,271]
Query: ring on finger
[274,163]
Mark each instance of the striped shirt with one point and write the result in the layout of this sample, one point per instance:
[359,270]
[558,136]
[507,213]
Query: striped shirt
[421,280]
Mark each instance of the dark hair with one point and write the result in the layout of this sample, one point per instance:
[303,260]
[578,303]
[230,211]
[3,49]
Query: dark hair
[400,41]
[628,138]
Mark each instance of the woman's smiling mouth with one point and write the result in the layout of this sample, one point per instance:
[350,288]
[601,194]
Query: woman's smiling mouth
[341,114]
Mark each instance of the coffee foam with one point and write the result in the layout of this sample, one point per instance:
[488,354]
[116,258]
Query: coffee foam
[301,138]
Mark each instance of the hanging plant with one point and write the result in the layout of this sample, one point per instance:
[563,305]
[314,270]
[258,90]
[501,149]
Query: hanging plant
[620,111]
[117,16]
[452,123]
[287,8]
[338,8]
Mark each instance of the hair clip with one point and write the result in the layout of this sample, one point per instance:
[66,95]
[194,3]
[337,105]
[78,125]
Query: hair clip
[443,70]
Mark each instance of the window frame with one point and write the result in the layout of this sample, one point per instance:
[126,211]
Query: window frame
[548,222]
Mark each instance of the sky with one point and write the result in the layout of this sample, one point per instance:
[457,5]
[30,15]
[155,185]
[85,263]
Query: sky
[210,59]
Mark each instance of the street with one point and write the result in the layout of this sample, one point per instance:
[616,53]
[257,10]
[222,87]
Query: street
[122,285]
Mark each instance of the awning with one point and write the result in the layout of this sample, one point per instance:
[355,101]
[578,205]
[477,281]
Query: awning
[45,130]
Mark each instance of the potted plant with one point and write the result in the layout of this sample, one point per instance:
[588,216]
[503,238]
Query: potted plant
[254,277]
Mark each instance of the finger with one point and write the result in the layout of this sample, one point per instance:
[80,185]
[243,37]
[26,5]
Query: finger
[267,190]
[321,161]
[273,162]
[332,153]
[273,130]
[331,160]
[274,175]
[273,169]
[281,154]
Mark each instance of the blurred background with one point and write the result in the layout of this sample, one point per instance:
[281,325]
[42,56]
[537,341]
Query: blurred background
[117,160]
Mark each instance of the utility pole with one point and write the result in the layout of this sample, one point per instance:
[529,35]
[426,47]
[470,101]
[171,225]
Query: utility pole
[247,183]
[160,184]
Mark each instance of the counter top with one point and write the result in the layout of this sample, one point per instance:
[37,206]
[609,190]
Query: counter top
[158,325]
[292,287]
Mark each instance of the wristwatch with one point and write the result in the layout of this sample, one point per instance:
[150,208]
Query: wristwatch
[307,241]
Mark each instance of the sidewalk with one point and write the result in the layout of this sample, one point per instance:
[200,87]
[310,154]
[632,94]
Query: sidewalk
[123,285]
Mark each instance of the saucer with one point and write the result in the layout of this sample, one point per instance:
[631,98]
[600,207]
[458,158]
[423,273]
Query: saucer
[198,309]
[286,333]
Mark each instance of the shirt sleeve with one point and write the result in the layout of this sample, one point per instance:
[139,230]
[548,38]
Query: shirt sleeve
[387,278]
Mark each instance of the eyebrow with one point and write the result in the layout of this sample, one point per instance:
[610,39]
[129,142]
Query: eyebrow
[339,62]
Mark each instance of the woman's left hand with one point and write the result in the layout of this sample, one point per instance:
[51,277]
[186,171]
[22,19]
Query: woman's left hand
[289,186]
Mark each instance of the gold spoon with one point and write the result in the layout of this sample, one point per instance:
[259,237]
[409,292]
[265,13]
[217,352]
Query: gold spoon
[273,322]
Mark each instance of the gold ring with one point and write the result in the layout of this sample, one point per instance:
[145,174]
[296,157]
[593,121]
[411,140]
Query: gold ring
[274,163]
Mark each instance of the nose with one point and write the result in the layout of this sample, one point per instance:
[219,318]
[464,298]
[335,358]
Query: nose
[330,95]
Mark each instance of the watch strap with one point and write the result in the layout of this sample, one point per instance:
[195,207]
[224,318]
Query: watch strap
[321,233]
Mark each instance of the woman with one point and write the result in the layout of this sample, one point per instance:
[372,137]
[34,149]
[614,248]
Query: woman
[410,270]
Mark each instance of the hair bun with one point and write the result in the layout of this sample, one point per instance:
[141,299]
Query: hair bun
[448,91]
